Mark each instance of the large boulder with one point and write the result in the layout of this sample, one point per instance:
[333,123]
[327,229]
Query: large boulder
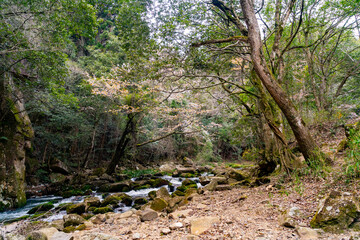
[336,212]
[162,193]
[73,220]
[116,187]
[167,167]
[92,202]
[78,208]
[148,215]
[117,198]
[158,204]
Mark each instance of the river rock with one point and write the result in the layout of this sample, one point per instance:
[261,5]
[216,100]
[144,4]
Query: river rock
[58,224]
[116,187]
[163,193]
[41,208]
[288,217]
[158,204]
[61,236]
[152,195]
[223,187]
[117,198]
[200,225]
[148,215]
[219,180]
[336,212]
[211,186]
[102,210]
[73,220]
[78,208]
[92,202]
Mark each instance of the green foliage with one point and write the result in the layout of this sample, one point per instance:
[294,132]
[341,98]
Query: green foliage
[352,167]
[139,173]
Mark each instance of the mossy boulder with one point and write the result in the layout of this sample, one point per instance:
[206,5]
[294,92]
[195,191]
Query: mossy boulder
[37,235]
[117,198]
[336,212]
[188,182]
[158,182]
[162,193]
[178,193]
[116,187]
[158,204]
[152,195]
[237,174]
[73,220]
[69,229]
[78,208]
[102,210]
[92,202]
[41,208]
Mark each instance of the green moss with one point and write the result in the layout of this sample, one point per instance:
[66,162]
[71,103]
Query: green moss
[41,208]
[152,195]
[178,193]
[78,208]
[69,229]
[115,199]
[158,204]
[142,187]
[80,227]
[102,210]
[158,182]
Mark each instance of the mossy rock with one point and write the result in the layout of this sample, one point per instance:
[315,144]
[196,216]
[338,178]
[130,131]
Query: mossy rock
[73,220]
[78,208]
[188,182]
[336,212]
[102,210]
[181,188]
[74,192]
[92,202]
[158,204]
[69,229]
[178,193]
[87,216]
[158,182]
[41,208]
[91,209]
[152,195]
[146,186]
[237,174]
[117,198]
[188,175]
[37,235]
[63,206]
[80,227]
[140,201]
[115,187]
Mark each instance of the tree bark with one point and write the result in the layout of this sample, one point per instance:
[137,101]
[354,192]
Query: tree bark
[308,147]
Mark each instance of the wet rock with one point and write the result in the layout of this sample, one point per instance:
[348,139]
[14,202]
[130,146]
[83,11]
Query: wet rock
[148,215]
[152,195]
[200,225]
[117,198]
[41,208]
[140,200]
[78,208]
[336,212]
[182,170]
[57,166]
[158,204]
[158,182]
[188,182]
[73,220]
[116,187]
[288,217]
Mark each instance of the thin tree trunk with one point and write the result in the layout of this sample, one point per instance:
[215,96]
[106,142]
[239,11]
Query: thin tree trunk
[308,147]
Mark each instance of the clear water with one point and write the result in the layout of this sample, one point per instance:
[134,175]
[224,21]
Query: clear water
[32,202]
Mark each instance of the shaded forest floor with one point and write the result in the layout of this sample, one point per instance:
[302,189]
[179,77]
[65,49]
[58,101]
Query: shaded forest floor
[248,213]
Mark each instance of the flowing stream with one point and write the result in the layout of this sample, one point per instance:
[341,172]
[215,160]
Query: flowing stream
[32,202]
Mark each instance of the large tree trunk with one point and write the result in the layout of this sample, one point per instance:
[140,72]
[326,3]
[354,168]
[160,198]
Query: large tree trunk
[15,135]
[307,145]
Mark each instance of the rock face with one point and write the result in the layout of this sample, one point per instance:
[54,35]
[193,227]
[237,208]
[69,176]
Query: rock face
[336,212]
[15,135]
